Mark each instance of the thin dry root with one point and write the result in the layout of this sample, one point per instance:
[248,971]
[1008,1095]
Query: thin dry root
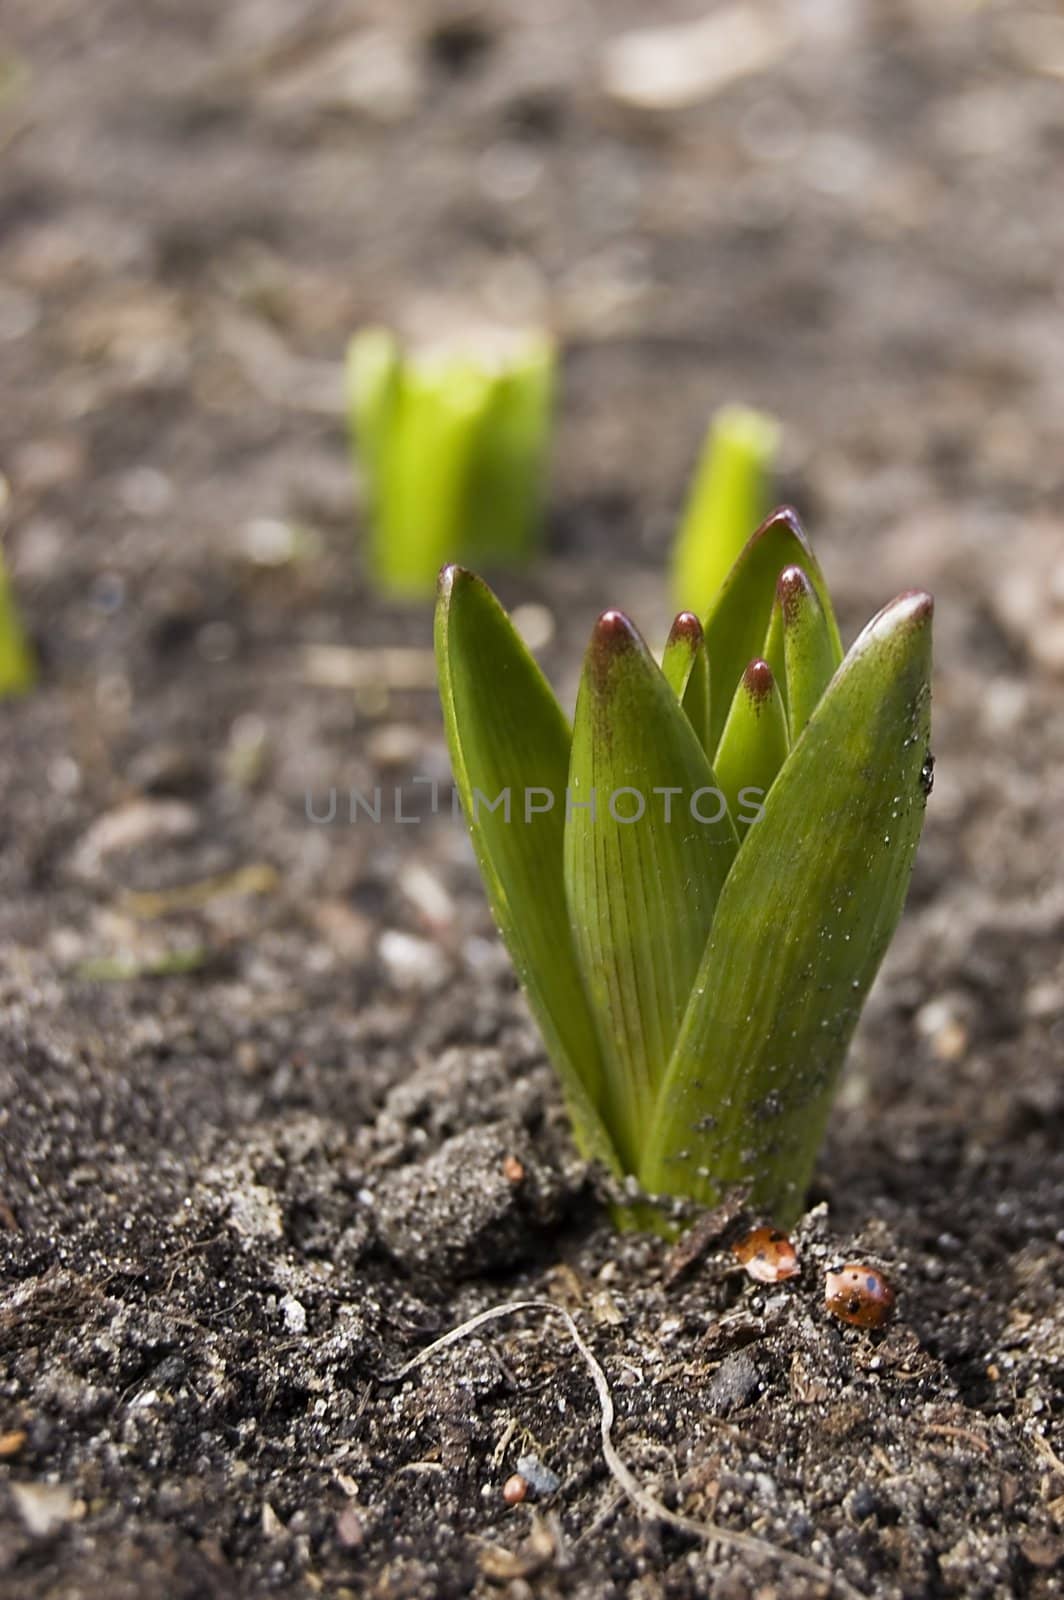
[645,1503]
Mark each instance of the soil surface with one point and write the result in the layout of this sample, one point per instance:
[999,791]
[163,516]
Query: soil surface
[272,1115]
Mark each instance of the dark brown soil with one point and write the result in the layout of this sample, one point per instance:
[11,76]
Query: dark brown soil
[234,1199]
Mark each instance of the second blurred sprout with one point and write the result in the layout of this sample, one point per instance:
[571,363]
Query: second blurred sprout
[729,495]
[18,668]
[453,448]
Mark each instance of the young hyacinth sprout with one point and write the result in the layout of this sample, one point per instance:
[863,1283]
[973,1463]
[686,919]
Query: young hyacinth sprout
[699,879]
[18,669]
[452,446]
[729,495]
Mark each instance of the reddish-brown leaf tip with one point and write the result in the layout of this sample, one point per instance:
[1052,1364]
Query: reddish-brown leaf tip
[613,637]
[688,627]
[783,516]
[793,591]
[758,681]
[911,610]
[614,631]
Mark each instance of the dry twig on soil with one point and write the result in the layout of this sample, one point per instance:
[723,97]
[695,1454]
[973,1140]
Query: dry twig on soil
[643,1501]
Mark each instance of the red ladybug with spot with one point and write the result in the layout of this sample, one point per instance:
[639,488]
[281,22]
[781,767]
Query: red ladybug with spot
[767,1255]
[859,1294]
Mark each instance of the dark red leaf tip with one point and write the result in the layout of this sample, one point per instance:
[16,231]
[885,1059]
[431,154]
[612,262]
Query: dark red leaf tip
[784,516]
[614,636]
[614,630]
[793,591]
[758,681]
[688,628]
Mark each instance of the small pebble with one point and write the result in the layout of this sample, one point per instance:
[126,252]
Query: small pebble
[396,744]
[268,542]
[536,1475]
[426,894]
[294,1313]
[735,1384]
[411,963]
[145,492]
[43,1507]
[682,64]
[350,1531]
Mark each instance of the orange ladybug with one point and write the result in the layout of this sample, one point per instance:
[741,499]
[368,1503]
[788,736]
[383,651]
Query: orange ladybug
[859,1294]
[767,1255]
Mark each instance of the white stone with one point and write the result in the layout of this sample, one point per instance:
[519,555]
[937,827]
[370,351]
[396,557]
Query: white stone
[668,68]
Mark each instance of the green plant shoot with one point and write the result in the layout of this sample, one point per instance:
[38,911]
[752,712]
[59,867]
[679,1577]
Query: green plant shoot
[452,448]
[18,669]
[729,495]
[698,881]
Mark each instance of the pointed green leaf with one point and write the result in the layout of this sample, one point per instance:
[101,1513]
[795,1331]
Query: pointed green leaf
[727,500]
[509,745]
[696,699]
[739,619]
[686,668]
[772,650]
[682,647]
[642,870]
[808,647]
[753,746]
[802,924]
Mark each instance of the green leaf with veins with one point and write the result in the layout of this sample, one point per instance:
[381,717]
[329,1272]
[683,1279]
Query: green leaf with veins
[801,927]
[642,870]
[508,738]
[808,647]
[753,746]
[686,668]
[738,622]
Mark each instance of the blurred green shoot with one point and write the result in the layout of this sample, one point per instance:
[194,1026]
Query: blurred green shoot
[698,880]
[18,669]
[729,496]
[452,447]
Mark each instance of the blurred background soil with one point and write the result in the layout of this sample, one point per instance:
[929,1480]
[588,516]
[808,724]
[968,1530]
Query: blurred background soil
[271,1113]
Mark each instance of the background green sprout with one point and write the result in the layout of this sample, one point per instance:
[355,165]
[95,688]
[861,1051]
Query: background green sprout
[452,447]
[729,495]
[697,967]
[18,668]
